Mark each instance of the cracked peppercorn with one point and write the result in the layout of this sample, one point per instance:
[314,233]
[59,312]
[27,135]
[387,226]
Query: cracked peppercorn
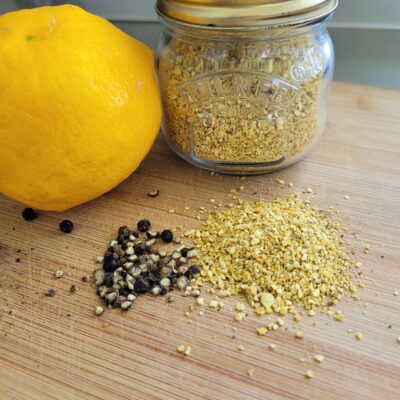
[29,214]
[167,236]
[66,226]
[144,225]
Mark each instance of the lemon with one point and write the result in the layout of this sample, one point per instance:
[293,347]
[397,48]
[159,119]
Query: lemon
[79,106]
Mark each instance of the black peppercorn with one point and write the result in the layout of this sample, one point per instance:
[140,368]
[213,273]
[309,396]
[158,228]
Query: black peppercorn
[167,236]
[184,251]
[124,231]
[29,214]
[144,225]
[66,226]
[110,264]
[108,280]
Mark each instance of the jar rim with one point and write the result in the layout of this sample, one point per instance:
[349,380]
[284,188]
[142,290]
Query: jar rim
[239,14]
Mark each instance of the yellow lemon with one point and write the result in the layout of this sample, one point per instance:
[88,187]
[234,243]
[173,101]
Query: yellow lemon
[79,106]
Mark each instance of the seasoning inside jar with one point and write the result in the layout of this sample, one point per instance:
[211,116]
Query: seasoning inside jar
[244,95]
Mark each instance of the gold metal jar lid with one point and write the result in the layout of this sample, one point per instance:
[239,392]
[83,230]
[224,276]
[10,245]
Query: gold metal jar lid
[245,13]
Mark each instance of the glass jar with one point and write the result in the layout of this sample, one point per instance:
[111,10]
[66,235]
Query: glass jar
[244,83]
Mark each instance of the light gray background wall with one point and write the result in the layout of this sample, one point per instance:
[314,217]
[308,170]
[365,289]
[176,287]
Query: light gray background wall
[366,33]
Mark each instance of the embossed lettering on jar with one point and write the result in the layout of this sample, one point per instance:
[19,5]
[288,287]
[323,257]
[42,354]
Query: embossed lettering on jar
[244,95]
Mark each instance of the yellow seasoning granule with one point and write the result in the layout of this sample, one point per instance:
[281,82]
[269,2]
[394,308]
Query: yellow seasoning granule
[319,358]
[300,334]
[184,349]
[309,374]
[262,331]
[280,254]
[250,372]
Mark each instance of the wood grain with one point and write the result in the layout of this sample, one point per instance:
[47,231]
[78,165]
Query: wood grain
[55,348]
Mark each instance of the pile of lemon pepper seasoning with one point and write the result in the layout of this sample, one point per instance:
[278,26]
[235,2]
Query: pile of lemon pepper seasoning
[280,255]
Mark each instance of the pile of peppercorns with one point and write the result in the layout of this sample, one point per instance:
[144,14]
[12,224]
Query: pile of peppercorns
[132,265]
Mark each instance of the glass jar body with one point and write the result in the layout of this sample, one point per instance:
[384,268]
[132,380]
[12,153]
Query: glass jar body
[244,102]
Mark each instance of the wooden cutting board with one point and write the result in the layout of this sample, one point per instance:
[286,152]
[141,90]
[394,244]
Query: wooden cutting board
[55,348]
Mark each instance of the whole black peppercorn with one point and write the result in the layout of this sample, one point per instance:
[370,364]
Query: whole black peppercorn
[167,236]
[110,264]
[66,226]
[124,231]
[184,251]
[108,280]
[29,214]
[144,225]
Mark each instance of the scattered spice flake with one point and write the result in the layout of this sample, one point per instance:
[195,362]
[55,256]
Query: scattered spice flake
[213,304]
[280,181]
[59,274]
[353,288]
[170,299]
[239,316]
[300,334]
[250,372]
[240,347]
[184,349]
[339,317]
[346,197]
[309,374]
[50,293]
[311,313]
[262,331]
[272,346]
[72,289]
[309,190]
[395,293]
[98,310]
[240,307]
[297,317]
[171,211]
[358,335]
[398,340]
[153,193]
[200,301]
[319,358]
